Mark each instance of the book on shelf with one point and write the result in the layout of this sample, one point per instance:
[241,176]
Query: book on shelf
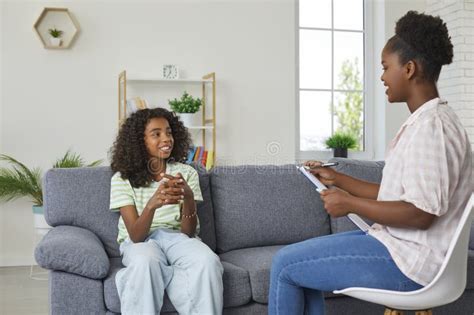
[135,104]
[201,153]
[201,156]
[197,153]
[203,159]
[210,160]
[191,153]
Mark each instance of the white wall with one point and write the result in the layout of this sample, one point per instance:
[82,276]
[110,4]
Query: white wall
[456,82]
[59,99]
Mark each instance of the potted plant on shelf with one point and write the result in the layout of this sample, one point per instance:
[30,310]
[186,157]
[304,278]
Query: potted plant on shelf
[340,142]
[55,39]
[186,107]
[21,181]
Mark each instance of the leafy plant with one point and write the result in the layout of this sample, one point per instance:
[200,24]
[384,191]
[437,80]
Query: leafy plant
[54,32]
[349,110]
[186,104]
[21,181]
[341,140]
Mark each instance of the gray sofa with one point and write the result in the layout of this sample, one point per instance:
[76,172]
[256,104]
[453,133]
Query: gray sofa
[248,213]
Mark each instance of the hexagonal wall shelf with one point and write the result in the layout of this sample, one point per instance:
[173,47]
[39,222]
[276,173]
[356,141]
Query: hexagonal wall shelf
[61,19]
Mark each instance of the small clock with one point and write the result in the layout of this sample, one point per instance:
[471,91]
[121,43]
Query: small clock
[170,72]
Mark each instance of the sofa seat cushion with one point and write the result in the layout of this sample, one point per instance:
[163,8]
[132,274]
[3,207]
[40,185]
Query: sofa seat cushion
[236,287]
[257,261]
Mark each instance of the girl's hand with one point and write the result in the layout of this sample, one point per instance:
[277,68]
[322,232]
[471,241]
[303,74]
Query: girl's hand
[165,195]
[326,175]
[179,182]
[336,202]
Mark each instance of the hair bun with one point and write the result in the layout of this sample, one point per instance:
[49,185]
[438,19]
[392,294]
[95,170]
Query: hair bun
[426,34]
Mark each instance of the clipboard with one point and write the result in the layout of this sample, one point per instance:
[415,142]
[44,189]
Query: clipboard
[361,224]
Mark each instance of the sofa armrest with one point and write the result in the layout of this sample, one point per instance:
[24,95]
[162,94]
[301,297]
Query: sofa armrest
[74,250]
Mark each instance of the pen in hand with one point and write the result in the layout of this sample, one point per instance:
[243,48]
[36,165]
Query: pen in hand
[322,165]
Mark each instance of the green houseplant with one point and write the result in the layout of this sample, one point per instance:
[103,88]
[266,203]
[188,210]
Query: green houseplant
[55,36]
[19,181]
[186,107]
[340,142]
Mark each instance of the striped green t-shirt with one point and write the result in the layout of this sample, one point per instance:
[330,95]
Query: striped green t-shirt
[123,194]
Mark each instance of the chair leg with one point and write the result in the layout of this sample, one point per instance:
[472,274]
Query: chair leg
[425,312]
[389,311]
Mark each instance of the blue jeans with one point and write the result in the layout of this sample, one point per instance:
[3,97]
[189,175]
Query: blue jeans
[302,271]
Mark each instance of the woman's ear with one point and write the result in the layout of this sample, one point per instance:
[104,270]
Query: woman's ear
[410,69]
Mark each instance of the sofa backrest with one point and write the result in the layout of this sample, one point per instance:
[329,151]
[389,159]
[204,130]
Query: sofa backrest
[370,171]
[264,205]
[81,197]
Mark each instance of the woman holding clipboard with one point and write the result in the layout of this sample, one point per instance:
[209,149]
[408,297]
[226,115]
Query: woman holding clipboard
[425,185]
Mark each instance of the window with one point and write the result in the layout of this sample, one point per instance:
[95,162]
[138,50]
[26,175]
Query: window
[331,72]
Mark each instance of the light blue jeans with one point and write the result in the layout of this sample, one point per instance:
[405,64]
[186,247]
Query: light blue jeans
[169,260]
[302,271]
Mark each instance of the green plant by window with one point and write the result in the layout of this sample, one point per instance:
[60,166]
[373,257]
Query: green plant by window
[21,181]
[341,140]
[54,32]
[186,104]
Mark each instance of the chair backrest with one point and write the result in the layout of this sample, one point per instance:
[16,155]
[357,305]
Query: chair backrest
[451,278]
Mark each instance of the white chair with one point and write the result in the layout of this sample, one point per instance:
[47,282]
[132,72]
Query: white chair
[446,287]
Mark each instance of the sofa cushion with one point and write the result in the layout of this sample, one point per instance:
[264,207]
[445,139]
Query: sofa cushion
[74,250]
[470,270]
[80,197]
[264,206]
[207,231]
[236,287]
[370,171]
[257,261]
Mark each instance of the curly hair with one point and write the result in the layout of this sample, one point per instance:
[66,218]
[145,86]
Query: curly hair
[129,153]
[423,38]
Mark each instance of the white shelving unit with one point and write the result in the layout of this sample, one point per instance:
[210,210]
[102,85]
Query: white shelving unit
[207,81]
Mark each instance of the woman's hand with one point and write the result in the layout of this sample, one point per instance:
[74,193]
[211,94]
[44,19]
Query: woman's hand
[336,202]
[326,175]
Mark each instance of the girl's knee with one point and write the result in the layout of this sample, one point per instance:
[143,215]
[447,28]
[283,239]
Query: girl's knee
[209,261]
[142,254]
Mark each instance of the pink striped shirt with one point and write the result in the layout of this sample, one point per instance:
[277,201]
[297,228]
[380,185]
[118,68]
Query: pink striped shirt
[428,164]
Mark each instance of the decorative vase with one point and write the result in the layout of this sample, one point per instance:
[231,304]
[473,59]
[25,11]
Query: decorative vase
[340,152]
[39,221]
[55,41]
[190,120]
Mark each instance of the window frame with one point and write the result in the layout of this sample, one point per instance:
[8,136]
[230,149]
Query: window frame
[370,61]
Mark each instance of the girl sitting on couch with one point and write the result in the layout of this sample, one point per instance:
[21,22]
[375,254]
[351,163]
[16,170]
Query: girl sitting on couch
[425,185]
[155,195]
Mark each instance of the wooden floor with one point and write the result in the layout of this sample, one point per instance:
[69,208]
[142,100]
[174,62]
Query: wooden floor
[19,294]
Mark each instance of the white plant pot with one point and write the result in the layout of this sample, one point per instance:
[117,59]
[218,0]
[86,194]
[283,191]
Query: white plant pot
[39,222]
[55,41]
[190,120]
